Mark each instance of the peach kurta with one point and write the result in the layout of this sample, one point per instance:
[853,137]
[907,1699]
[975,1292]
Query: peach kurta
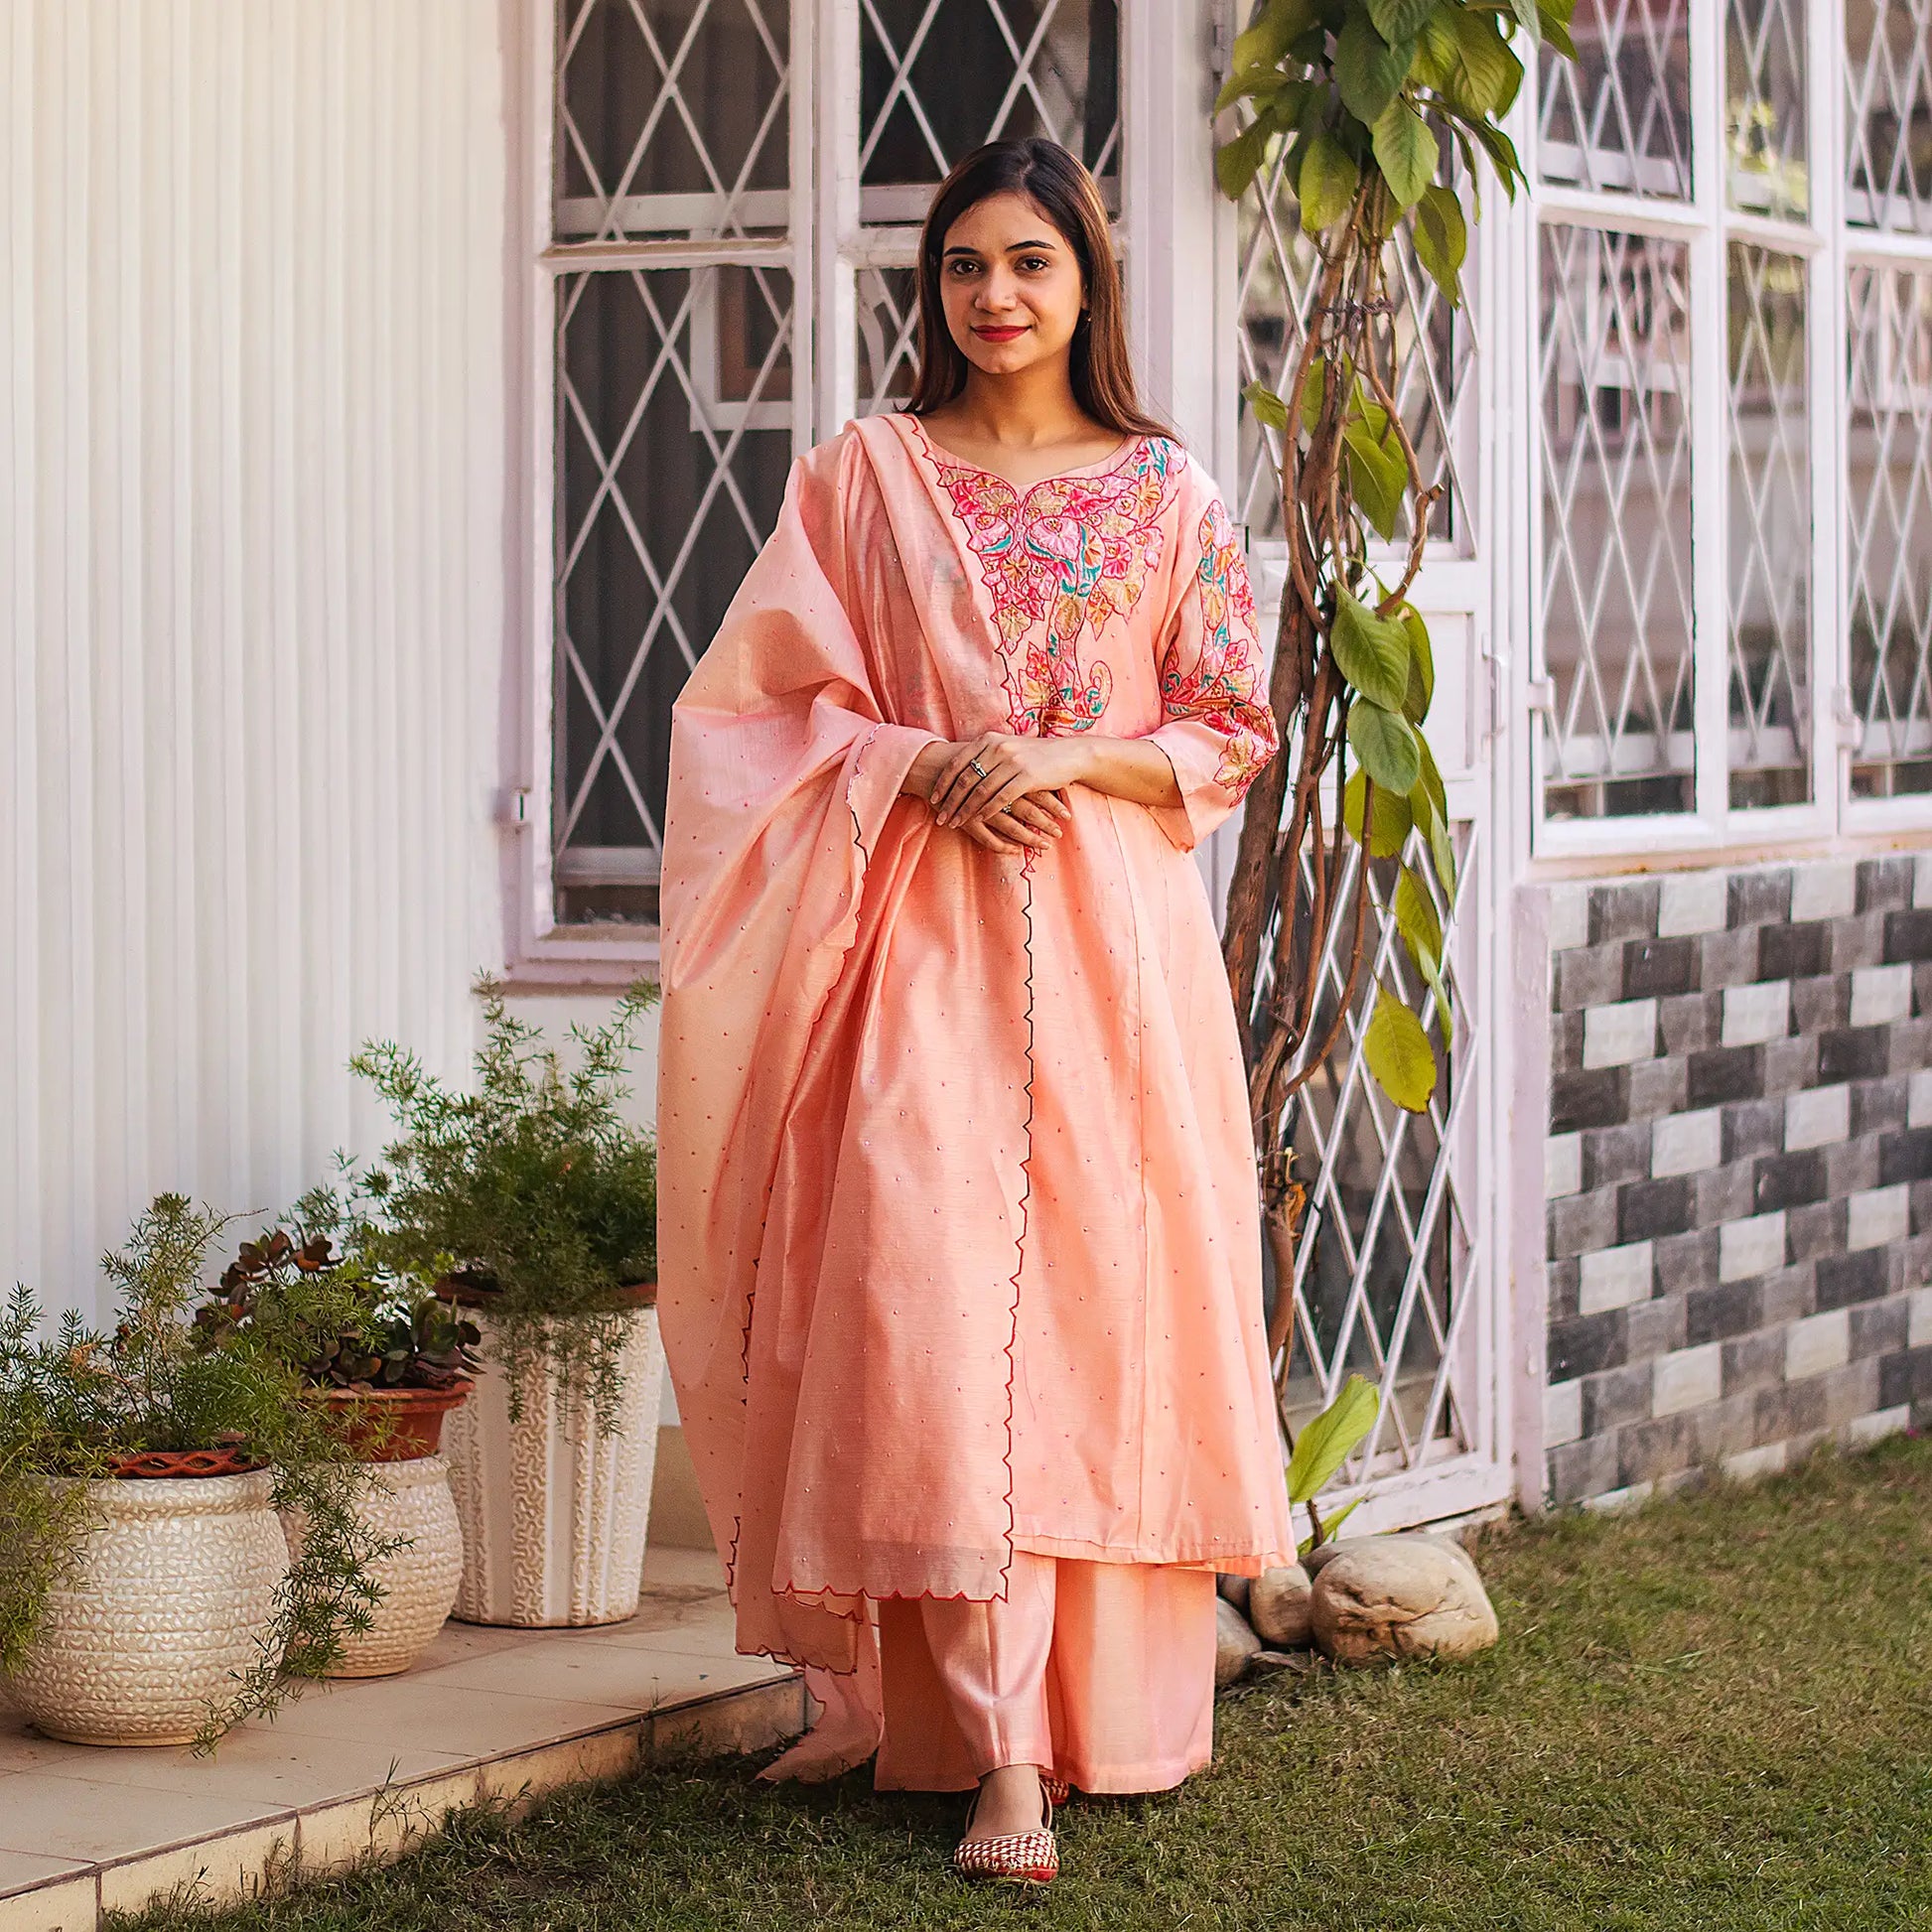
[957,1227]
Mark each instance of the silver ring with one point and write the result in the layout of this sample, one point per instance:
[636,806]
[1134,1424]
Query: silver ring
[977,766]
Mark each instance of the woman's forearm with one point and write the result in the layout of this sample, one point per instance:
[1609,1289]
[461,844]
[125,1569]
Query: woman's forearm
[1135,769]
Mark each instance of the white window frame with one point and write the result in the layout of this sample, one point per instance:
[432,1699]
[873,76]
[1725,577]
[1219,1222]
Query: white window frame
[1707,225]
[1176,241]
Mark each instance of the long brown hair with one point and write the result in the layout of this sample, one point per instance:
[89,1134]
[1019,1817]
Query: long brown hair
[1063,190]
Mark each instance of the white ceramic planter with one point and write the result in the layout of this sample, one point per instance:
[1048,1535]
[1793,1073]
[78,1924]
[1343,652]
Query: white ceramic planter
[174,1591]
[407,1499]
[552,1512]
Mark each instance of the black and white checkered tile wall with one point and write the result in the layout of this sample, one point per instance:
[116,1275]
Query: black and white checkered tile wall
[1739,1168]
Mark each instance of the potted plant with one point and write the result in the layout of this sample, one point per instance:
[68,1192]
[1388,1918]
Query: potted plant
[541,1200]
[391,1361]
[147,1596]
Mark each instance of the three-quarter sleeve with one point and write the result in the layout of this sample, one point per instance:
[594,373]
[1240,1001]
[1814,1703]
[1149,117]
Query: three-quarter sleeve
[1218,728]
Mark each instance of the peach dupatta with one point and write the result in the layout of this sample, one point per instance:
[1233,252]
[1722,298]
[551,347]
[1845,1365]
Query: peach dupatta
[850,1203]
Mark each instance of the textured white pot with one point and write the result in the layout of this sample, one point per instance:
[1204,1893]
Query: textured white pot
[552,1512]
[419,1582]
[174,1591]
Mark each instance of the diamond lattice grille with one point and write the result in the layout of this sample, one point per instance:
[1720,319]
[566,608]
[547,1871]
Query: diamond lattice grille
[1764,107]
[1614,422]
[937,77]
[671,117]
[1769,548]
[1432,347]
[887,337]
[1618,117]
[674,440]
[1390,1246]
[1888,510]
[1889,113]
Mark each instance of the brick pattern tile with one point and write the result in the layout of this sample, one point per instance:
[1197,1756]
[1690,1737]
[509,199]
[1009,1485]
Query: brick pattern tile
[1739,1211]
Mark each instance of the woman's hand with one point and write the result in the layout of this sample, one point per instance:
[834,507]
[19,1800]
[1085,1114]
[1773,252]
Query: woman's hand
[1025,820]
[999,774]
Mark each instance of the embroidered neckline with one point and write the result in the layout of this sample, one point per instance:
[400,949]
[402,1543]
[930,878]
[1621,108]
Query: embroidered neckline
[1084,472]
[1059,560]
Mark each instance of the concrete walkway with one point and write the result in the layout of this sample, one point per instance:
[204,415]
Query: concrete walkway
[357,1770]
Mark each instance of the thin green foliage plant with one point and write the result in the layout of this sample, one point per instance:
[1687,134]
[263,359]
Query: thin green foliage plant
[78,1403]
[1378,116]
[532,1186]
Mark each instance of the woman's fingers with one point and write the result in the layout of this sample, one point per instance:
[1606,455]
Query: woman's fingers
[957,776]
[986,836]
[973,793]
[1030,811]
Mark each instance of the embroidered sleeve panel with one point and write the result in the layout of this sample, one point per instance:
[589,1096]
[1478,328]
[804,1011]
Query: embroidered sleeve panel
[1221,684]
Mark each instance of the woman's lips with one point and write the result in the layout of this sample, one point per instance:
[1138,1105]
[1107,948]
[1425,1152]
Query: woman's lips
[1001,335]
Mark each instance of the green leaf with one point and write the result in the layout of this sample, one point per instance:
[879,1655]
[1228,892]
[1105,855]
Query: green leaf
[1416,920]
[1442,237]
[1485,84]
[1556,28]
[1399,1055]
[1282,22]
[1245,83]
[1438,52]
[1422,667]
[1399,20]
[1373,653]
[1405,151]
[1501,151]
[1330,1524]
[1268,407]
[1330,179]
[1237,162]
[1378,478]
[1389,817]
[1384,745]
[1527,17]
[1432,970]
[1368,70]
[1324,1443]
[1428,810]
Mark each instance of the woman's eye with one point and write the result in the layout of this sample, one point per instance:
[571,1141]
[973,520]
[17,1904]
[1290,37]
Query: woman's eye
[1035,263]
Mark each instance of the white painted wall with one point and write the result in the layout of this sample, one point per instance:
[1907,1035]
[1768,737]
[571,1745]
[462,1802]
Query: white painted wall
[251,565]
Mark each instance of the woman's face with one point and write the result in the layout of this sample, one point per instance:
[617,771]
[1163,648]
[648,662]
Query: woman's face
[1011,284]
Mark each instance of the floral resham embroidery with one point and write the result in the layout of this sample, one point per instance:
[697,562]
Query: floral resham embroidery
[1060,561]
[1222,686]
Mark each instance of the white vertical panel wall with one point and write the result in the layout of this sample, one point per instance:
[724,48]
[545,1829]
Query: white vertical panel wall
[251,566]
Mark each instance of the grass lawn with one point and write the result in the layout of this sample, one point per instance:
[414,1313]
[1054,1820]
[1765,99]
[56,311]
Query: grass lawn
[1714,1712]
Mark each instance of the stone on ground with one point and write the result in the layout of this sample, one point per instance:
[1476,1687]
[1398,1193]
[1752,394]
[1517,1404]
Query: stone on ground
[1278,1607]
[1235,1591]
[1399,1596]
[1235,1645]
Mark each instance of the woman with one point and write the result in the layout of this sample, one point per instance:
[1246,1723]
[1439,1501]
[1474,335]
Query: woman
[959,1257]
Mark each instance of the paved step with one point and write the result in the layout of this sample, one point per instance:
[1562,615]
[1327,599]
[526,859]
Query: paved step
[362,1770]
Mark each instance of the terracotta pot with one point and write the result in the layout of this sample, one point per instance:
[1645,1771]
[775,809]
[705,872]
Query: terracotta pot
[409,1499]
[173,1592]
[416,1415]
[553,1510]
[164,1465]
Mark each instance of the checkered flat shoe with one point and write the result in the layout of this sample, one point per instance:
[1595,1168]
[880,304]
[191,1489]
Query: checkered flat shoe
[1057,1791]
[1015,1859]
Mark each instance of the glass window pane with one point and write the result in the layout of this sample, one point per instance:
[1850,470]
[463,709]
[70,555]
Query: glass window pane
[1618,117]
[1764,107]
[937,77]
[1614,389]
[1889,113]
[1429,348]
[671,117]
[1888,507]
[674,441]
[1769,531]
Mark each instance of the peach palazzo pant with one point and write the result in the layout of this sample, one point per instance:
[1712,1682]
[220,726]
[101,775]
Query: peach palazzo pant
[1100,1673]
